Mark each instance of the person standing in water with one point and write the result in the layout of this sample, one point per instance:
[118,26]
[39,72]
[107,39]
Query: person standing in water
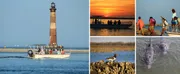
[140,25]
[176,23]
[173,21]
[164,26]
[152,23]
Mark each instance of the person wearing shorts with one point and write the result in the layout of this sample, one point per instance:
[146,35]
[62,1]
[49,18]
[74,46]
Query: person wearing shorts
[140,24]
[164,26]
[173,22]
[176,23]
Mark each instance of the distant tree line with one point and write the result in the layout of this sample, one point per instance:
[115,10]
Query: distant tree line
[114,43]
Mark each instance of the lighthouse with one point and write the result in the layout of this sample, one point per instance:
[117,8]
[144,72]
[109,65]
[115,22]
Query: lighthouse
[53,38]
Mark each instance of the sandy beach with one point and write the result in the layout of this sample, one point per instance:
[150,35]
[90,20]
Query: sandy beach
[147,33]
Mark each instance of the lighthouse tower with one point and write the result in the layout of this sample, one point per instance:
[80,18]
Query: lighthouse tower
[53,38]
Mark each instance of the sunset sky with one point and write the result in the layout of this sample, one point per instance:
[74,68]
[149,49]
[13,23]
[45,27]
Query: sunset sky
[112,8]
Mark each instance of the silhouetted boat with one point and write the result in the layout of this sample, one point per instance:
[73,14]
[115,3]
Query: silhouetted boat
[121,26]
[113,22]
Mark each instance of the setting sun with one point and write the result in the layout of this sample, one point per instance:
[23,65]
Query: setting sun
[106,12]
[112,8]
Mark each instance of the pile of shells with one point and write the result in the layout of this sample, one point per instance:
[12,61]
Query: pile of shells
[102,67]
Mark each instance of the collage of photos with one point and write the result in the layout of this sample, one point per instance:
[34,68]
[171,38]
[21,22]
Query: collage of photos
[90,37]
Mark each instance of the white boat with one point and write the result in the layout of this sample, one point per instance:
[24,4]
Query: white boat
[52,55]
[173,34]
[31,54]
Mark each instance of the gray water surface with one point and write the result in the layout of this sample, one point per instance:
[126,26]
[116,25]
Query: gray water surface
[163,64]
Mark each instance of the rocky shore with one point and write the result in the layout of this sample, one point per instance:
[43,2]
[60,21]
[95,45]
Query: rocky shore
[102,67]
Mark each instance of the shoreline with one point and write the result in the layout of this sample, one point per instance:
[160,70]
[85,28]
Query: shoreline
[104,49]
[25,50]
[147,33]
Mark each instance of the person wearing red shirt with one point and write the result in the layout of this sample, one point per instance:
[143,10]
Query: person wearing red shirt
[62,52]
[50,51]
[151,25]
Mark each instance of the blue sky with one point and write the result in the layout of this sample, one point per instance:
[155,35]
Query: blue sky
[27,22]
[156,8]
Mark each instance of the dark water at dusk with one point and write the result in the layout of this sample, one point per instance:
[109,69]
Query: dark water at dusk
[112,32]
[76,64]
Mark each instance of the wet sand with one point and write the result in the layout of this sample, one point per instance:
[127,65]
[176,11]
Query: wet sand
[147,33]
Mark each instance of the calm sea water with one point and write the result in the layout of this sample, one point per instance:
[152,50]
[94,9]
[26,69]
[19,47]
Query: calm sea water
[163,64]
[76,64]
[122,56]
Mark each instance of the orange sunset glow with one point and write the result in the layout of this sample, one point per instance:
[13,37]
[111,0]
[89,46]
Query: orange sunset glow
[112,8]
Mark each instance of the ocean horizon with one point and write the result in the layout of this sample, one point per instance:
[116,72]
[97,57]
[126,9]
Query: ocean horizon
[13,47]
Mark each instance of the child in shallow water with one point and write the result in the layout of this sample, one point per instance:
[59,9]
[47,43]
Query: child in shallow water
[176,24]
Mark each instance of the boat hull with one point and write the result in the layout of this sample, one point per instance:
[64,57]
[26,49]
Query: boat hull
[52,56]
[122,26]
